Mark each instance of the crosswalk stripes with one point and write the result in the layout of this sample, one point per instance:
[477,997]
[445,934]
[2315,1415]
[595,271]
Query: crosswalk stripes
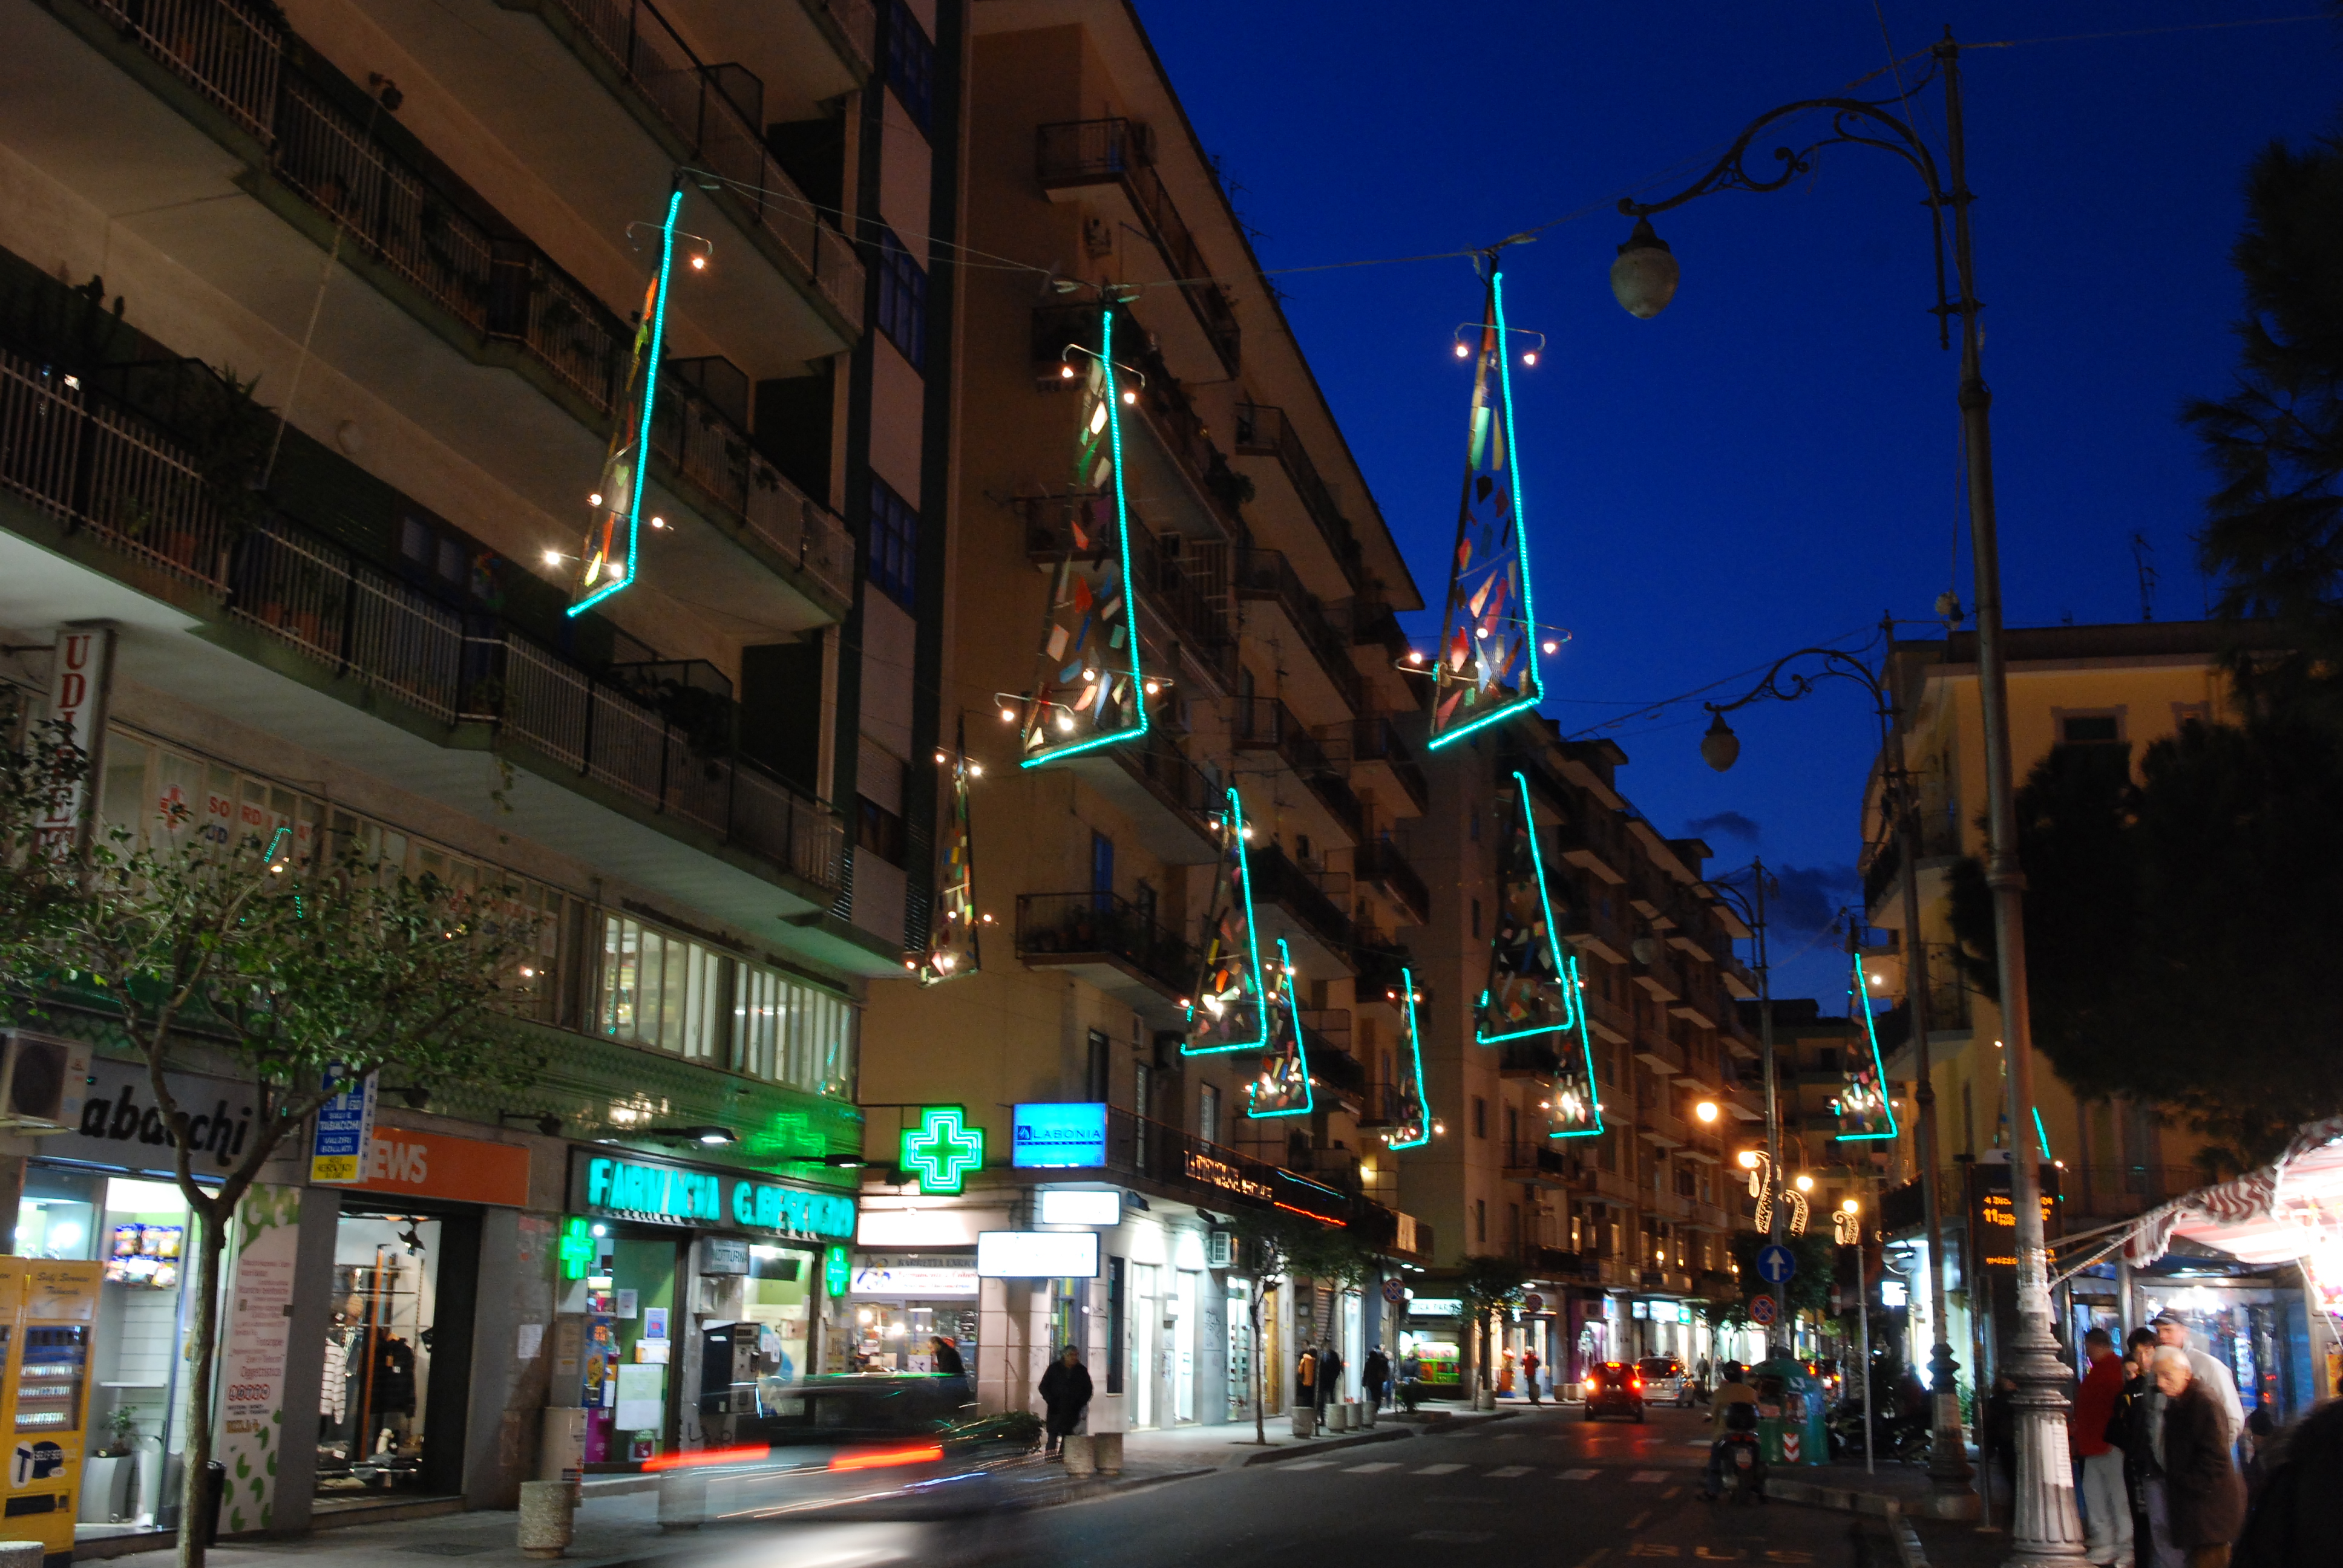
[1433,1469]
[1308,1464]
[1580,1474]
[1506,1473]
[1647,1477]
[1370,1469]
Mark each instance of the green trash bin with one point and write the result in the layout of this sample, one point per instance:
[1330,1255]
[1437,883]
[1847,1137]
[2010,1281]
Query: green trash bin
[1790,1409]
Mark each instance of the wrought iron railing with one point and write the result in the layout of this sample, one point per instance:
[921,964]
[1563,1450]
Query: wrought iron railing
[1263,431]
[231,53]
[1057,927]
[1375,738]
[1267,575]
[1277,881]
[1378,860]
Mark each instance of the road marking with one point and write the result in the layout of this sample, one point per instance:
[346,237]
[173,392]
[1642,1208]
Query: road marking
[1308,1464]
[1370,1469]
[1591,1558]
[1671,1491]
[1637,1522]
[1580,1474]
[1507,1473]
[1456,1537]
[1427,1469]
[1506,1436]
[1641,1477]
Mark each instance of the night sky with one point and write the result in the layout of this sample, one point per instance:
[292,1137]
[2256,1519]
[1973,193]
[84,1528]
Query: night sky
[1772,462]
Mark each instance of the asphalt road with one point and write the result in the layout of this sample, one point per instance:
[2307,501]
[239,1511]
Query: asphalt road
[1547,1488]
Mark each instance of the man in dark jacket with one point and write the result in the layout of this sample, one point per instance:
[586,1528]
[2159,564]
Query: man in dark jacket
[2296,1519]
[2195,1499]
[1374,1376]
[1065,1395]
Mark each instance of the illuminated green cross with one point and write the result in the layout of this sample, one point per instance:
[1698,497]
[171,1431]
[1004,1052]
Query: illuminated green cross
[577,1248]
[942,1150]
[837,1270]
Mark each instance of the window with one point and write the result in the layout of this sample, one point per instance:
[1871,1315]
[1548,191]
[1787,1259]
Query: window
[1139,1090]
[1208,1113]
[673,995]
[785,1031]
[1479,1219]
[910,65]
[1476,916]
[1513,1124]
[2090,729]
[894,543]
[1094,1085]
[879,830]
[902,299]
[1480,1117]
[1102,866]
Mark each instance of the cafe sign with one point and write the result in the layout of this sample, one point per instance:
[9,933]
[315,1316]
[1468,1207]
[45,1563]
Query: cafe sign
[661,1192]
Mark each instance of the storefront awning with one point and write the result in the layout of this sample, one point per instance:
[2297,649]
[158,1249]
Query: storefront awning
[2284,1212]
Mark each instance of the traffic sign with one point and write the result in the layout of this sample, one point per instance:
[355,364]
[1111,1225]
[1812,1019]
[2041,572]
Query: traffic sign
[1533,1302]
[1761,1311]
[1776,1263]
[1394,1292]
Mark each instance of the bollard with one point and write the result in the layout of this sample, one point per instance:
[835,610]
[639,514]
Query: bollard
[1305,1422]
[1081,1454]
[546,1511]
[21,1553]
[683,1500]
[1338,1416]
[1486,1399]
[1371,1409]
[1109,1447]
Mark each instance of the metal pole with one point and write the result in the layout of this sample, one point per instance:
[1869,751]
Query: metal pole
[1780,1293]
[1863,1319]
[2044,1527]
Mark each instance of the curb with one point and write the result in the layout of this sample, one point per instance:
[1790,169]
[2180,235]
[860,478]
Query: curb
[1907,1544]
[1352,1440]
[1956,1507]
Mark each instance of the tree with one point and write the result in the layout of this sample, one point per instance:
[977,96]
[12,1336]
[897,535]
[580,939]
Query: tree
[310,968]
[1488,1286]
[1279,1246]
[2273,528]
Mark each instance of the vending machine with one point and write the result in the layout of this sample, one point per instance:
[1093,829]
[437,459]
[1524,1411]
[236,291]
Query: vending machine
[48,1310]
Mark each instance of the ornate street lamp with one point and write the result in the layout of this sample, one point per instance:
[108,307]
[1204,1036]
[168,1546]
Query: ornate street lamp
[2046,1529]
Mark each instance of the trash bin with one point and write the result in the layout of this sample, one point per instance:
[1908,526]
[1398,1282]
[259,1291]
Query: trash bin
[1790,1409]
[215,1493]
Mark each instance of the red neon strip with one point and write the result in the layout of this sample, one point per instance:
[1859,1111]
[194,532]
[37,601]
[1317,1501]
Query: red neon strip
[706,1456]
[1308,1215]
[887,1456]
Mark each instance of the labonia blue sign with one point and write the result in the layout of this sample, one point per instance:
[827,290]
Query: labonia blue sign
[1055,1136]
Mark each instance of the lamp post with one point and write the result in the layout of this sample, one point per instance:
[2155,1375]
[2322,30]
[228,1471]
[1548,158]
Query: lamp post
[2044,1529]
[1948,1464]
[1751,907]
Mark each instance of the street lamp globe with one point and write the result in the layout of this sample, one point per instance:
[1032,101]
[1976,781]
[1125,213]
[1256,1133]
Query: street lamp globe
[1705,1111]
[1720,747]
[1644,278]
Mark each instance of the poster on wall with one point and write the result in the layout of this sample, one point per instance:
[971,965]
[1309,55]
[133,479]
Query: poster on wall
[253,1350]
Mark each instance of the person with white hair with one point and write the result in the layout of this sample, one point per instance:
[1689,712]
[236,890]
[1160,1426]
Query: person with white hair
[2172,1329]
[2196,1498]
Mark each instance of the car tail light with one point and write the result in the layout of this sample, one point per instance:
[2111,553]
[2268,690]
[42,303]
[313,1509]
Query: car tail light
[887,1456]
[1635,1384]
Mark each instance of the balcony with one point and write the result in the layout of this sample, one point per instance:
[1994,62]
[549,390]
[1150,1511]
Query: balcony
[1266,724]
[1536,1057]
[1076,159]
[1663,1056]
[1293,615]
[1379,863]
[1112,943]
[1191,615]
[1265,432]
[1173,1162]
[1383,761]
[1382,964]
[1662,1128]
[1170,802]
[1609,1186]
[1608,1019]
[1536,1161]
[1585,842]
[1373,623]
[1291,903]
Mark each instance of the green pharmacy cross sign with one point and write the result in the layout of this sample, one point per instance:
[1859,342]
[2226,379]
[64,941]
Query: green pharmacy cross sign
[942,1150]
[837,1271]
[577,1248]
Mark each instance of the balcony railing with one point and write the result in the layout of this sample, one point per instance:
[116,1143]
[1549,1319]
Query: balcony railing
[1170,586]
[1378,860]
[1224,1178]
[1277,881]
[1381,964]
[1536,1158]
[230,53]
[106,474]
[1059,927]
[1267,575]
[1375,738]
[1265,724]
[1162,403]
[1095,152]
[1265,432]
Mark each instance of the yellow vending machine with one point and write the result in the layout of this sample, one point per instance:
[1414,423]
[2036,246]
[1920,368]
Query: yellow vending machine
[48,1310]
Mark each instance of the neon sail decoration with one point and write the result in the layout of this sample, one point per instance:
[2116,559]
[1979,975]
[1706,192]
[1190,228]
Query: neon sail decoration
[1282,1086]
[1864,1111]
[1487,663]
[1534,988]
[1226,1011]
[1090,690]
[952,929]
[606,560]
[1411,1123]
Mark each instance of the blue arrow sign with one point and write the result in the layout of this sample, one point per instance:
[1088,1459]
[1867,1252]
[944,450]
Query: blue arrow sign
[1776,1263]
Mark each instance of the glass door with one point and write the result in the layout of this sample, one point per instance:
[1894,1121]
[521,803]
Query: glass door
[1183,1358]
[1146,1336]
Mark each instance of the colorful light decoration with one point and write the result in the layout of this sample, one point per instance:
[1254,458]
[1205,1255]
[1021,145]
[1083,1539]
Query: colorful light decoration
[1090,691]
[942,1149]
[1533,988]
[1486,666]
[1863,1103]
[952,929]
[1413,1129]
[1846,1226]
[1283,1088]
[1226,1011]
[607,560]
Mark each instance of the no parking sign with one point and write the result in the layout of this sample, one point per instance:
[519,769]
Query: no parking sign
[1762,1311]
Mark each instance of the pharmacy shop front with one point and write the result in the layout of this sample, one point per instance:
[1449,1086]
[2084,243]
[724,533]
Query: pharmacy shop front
[682,1279]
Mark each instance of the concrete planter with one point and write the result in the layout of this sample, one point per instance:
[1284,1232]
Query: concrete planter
[1305,1421]
[1081,1454]
[1338,1417]
[1108,1446]
[547,1509]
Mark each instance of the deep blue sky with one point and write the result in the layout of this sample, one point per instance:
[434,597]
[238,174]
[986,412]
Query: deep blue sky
[1771,462]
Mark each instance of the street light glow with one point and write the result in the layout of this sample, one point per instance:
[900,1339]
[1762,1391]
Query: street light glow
[1705,1111]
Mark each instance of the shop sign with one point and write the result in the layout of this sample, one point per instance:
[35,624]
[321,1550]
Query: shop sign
[1063,1207]
[254,1352]
[912,1281]
[441,1165]
[1059,1136]
[836,1265]
[1436,1307]
[1993,1219]
[1037,1254]
[942,1150]
[344,1132]
[81,689]
[117,1122]
[1229,1177]
[724,1255]
[660,1193]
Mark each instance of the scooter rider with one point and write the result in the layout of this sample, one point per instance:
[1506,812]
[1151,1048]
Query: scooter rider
[1734,1416]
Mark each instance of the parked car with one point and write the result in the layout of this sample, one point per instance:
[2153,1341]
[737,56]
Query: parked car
[1664,1379]
[1615,1388]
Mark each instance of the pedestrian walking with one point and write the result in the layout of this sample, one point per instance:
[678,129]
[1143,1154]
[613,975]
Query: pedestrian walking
[1065,1395]
[2296,1520]
[2196,1498]
[2106,1500]
[1375,1376]
[1330,1376]
[1530,1373]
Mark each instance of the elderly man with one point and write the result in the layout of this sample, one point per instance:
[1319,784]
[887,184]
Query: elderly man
[2172,1329]
[2196,1498]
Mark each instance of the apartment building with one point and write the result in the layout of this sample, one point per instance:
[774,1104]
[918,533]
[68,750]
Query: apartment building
[2116,689]
[325,331]
[1139,427]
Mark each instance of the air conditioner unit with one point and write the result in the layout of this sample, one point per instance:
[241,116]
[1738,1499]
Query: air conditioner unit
[1219,1249]
[42,1081]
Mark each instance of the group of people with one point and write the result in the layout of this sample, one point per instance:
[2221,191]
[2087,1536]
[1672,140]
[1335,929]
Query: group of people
[1318,1376]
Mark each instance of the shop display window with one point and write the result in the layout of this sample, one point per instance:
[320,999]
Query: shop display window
[371,1403]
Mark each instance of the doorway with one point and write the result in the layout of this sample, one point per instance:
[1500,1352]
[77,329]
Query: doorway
[397,1355]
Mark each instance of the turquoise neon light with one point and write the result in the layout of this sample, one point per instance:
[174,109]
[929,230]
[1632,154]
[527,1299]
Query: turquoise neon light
[1130,583]
[2038,1132]
[1415,1052]
[1545,906]
[1878,1069]
[1585,1051]
[1235,820]
[1536,692]
[650,397]
[1300,1046]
